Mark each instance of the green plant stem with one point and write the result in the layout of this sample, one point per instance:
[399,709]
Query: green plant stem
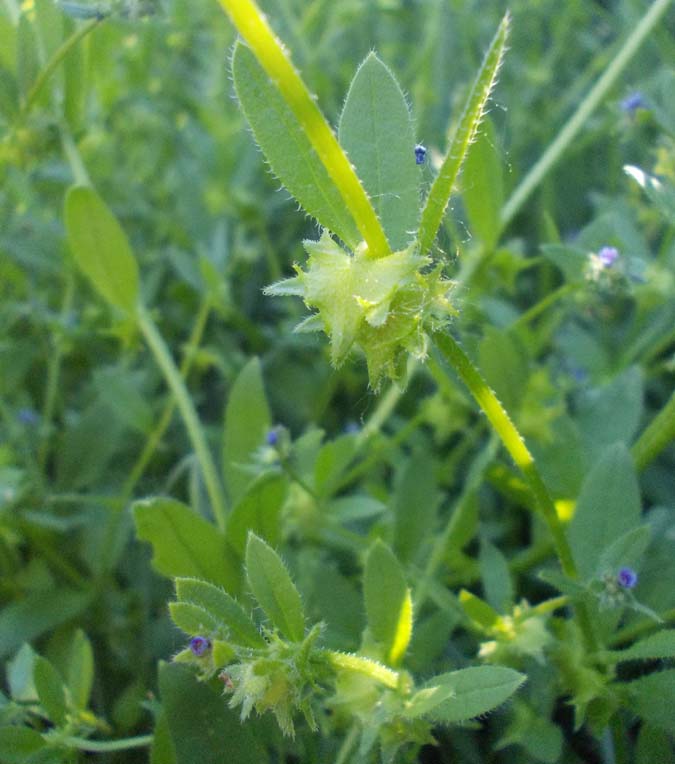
[543,305]
[268,49]
[80,174]
[572,127]
[639,629]
[515,445]
[188,414]
[57,57]
[104,746]
[351,662]
[54,371]
[657,435]
[166,416]
[347,745]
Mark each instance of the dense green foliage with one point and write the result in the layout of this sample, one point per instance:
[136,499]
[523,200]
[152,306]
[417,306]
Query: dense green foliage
[226,537]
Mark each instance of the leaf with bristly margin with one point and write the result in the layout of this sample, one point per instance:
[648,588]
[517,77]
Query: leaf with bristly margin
[388,602]
[287,147]
[247,420]
[651,698]
[195,621]
[273,588]
[474,109]
[656,646]
[483,186]
[626,551]
[464,694]
[184,544]
[223,608]
[376,131]
[608,507]
[51,691]
[101,248]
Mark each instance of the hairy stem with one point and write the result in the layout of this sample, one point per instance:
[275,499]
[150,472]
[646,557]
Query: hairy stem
[657,435]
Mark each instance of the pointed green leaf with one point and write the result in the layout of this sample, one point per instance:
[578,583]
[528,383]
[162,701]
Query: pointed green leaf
[465,694]
[656,646]
[195,620]
[101,248]
[50,690]
[438,198]
[80,670]
[247,420]
[496,577]
[477,610]
[627,550]
[273,588]
[184,544]
[376,131]
[258,511]
[287,148]
[388,602]
[608,507]
[483,186]
[222,607]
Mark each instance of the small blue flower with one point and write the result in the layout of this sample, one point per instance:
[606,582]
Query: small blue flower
[272,437]
[608,256]
[633,102]
[27,416]
[200,646]
[627,578]
[420,154]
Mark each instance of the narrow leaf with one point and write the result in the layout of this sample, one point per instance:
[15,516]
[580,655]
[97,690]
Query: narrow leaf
[101,248]
[656,646]
[608,507]
[50,690]
[438,198]
[259,511]
[465,694]
[287,147]
[478,610]
[185,544]
[376,131]
[247,419]
[273,588]
[388,602]
[483,186]
[80,676]
[222,607]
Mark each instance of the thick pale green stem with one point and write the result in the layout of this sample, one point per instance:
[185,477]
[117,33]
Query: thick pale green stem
[105,746]
[189,415]
[656,437]
[586,108]
[268,49]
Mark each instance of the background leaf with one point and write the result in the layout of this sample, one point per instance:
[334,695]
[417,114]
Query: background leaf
[483,186]
[376,131]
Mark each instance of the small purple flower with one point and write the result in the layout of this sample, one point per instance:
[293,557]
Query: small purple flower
[200,646]
[627,578]
[420,154]
[272,437]
[608,256]
[633,102]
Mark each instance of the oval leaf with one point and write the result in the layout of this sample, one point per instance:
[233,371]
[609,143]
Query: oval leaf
[50,690]
[287,148]
[465,694]
[273,588]
[376,131]
[101,248]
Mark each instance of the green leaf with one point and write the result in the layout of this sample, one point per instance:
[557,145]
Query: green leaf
[331,462]
[465,694]
[477,610]
[75,80]
[376,130]
[627,550]
[184,544]
[258,511]
[656,646]
[414,505]
[195,620]
[222,607]
[17,744]
[203,729]
[651,698]
[504,364]
[496,577]
[653,745]
[50,689]
[388,602]
[273,588]
[287,148]
[101,248]
[608,507]
[38,612]
[466,130]
[80,676]
[27,63]
[483,186]
[163,750]
[247,420]
[20,675]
